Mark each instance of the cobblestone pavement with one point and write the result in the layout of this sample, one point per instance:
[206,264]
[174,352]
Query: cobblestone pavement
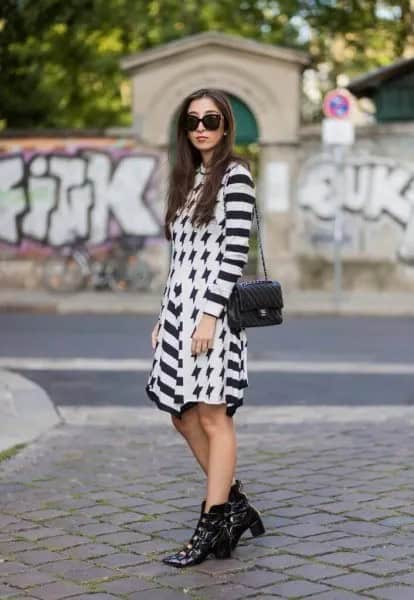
[86,512]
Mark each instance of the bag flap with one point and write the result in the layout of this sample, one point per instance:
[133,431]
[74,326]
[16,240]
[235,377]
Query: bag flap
[263,294]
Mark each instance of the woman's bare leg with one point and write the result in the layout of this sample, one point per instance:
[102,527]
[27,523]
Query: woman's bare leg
[219,430]
[190,428]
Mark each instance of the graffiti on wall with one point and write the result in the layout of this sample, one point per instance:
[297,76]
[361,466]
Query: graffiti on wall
[377,192]
[51,197]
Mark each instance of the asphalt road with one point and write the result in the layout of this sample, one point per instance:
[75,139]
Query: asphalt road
[304,361]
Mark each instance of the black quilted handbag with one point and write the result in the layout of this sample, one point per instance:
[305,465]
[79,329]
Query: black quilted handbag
[255,303]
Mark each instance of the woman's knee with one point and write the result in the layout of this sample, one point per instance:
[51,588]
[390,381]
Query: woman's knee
[213,418]
[187,422]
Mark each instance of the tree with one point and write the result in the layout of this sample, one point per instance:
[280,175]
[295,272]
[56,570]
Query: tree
[59,59]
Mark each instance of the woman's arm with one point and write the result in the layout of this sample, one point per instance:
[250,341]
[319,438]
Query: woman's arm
[239,197]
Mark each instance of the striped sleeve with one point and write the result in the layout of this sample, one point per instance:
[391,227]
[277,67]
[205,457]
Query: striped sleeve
[239,197]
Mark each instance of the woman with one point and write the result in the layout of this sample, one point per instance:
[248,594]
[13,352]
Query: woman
[199,368]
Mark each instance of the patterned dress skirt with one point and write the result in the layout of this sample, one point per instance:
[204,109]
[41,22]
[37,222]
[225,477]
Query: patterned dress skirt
[205,264]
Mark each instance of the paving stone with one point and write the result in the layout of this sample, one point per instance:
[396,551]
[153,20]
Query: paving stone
[94,597]
[123,537]
[215,567]
[356,581]
[9,567]
[121,559]
[121,518]
[61,542]
[339,595]
[153,545]
[149,569]
[44,515]
[97,529]
[272,541]
[358,543]
[10,548]
[256,578]
[38,557]
[282,561]
[177,535]
[397,521]
[346,559]
[7,591]
[225,592]
[29,578]
[293,511]
[296,589]
[41,533]
[303,530]
[314,572]
[311,548]
[407,579]
[263,597]
[87,573]
[185,579]
[362,528]
[88,551]
[57,590]
[159,594]
[394,592]
[61,567]
[385,567]
[127,585]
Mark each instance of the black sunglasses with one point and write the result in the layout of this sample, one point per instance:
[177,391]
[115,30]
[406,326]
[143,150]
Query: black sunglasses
[210,121]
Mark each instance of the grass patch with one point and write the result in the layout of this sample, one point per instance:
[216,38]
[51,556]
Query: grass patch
[10,452]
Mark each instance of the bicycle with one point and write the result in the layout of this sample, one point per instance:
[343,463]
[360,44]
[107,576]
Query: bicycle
[74,266]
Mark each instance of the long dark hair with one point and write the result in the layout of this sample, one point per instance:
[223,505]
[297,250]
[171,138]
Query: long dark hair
[188,158]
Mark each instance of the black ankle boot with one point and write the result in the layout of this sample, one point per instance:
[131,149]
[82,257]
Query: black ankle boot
[211,535]
[243,515]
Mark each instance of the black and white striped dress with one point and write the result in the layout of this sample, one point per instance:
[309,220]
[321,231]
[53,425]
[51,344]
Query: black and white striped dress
[205,264]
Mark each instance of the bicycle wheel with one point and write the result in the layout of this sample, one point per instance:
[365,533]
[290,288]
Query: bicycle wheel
[116,275]
[62,274]
[140,276]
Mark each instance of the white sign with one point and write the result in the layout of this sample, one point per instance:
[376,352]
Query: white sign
[335,131]
[276,186]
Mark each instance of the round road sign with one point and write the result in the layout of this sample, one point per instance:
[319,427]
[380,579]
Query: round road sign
[337,104]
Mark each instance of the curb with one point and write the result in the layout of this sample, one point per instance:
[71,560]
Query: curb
[26,411]
[297,304]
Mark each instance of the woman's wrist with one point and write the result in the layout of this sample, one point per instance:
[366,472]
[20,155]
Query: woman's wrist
[210,315]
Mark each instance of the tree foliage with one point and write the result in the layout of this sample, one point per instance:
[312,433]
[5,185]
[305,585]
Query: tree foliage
[59,59]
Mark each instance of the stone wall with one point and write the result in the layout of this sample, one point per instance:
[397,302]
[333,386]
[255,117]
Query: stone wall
[95,188]
[378,209]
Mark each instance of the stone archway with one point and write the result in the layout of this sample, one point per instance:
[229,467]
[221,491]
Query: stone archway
[267,80]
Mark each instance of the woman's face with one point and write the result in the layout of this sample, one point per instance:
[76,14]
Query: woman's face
[202,138]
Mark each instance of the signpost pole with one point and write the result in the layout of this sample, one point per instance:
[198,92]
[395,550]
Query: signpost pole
[338,135]
[338,232]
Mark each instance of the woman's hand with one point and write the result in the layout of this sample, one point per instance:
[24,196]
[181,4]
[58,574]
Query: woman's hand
[203,336]
[154,334]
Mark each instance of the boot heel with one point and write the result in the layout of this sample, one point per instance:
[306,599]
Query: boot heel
[257,527]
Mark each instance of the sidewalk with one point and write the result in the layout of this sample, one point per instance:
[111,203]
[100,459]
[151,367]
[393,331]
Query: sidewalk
[88,509]
[297,303]
[26,411]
